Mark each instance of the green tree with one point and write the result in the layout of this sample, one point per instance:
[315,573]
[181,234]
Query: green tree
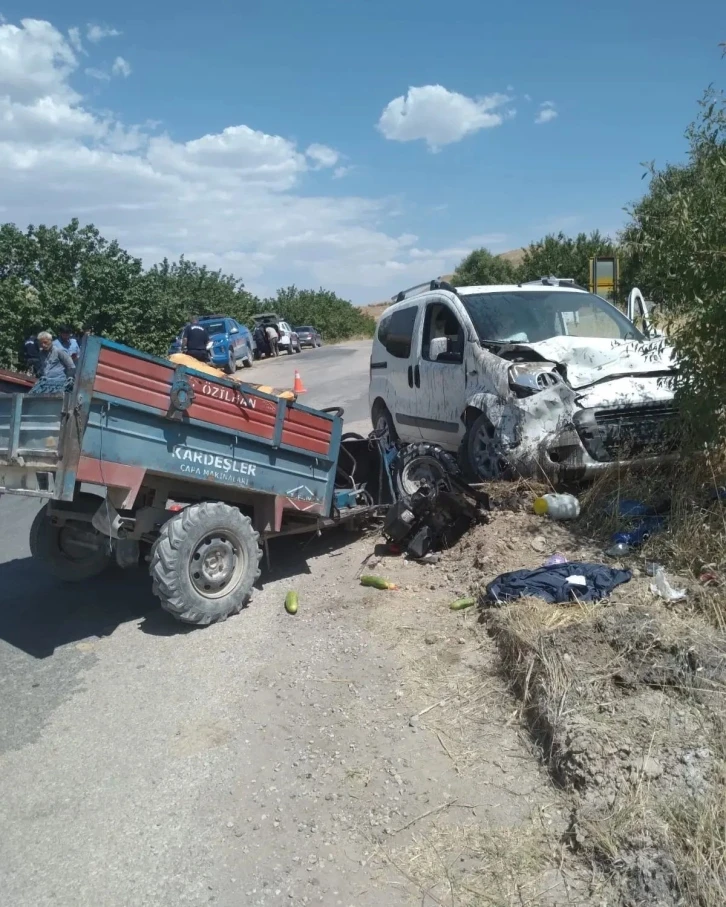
[51,276]
[564,256]
[677,239]
[335,318]
[480,268]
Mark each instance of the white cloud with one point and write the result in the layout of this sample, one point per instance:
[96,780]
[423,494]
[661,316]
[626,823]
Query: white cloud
[121,67]
[35,62]
[96,33]
[322,156]
[340,172]
[100,74]
[439,116]
[238,199]
[546,113]
[74,36]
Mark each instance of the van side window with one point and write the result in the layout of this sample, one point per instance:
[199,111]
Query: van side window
[442,325]
[395,331]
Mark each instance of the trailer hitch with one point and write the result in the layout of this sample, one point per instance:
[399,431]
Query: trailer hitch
[181,394]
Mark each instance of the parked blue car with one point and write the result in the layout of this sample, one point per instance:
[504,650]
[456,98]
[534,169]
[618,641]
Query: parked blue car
[232,343]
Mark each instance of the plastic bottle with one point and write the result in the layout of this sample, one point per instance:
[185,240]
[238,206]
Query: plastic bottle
[557,506]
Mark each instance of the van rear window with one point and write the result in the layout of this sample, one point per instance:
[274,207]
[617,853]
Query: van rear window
[395,331]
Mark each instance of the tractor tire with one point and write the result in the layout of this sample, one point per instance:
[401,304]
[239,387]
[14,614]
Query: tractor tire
[205,563]
[423,464]
[73,552]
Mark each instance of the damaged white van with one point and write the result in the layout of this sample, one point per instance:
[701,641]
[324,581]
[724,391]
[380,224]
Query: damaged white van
[541,379]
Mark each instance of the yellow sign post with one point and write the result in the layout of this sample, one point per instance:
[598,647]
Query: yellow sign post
[604,277]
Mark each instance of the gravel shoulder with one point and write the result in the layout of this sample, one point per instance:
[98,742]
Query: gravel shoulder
[274,759]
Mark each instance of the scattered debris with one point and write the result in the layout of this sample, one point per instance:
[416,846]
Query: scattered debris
[554,559]
[663,588]
[557,506]
[625,540]
[559,584]
[709,577]
[435,515]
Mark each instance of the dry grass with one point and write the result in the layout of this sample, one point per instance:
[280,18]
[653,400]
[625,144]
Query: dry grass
[539,671]
[471,866]
[695,833]
[684,837]
[695,537]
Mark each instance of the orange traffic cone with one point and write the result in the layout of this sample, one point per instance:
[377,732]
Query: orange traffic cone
[298,387]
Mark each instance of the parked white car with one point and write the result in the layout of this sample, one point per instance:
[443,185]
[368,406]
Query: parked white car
[541,379]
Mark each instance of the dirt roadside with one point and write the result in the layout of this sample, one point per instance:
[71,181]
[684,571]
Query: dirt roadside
[376,748]
[405,748]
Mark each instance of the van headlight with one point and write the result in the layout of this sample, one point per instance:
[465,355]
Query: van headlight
[527,378]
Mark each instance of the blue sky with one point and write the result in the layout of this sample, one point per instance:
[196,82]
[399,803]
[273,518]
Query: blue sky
[356,144]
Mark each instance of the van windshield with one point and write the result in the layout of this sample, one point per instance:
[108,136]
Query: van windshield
[525,316]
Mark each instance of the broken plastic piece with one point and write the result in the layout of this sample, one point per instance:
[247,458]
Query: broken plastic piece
[555,559]
[662,588]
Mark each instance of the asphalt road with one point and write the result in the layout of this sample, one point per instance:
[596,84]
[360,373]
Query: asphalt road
[124,736]
[269,760]
[332,375]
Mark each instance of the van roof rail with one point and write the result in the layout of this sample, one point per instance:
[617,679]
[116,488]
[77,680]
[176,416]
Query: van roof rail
[553,281]
[436,284]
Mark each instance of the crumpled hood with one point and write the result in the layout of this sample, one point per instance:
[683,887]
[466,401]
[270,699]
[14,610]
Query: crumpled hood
[587,360]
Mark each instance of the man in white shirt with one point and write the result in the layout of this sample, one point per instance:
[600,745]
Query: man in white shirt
[273,337]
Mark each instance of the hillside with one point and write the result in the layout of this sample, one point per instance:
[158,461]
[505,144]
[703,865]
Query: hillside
[376,309]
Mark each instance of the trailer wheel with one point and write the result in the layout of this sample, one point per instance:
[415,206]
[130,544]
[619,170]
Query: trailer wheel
[205,562]
[72,552]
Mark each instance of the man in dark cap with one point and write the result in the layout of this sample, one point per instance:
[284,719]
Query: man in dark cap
[32,353]
[195,340]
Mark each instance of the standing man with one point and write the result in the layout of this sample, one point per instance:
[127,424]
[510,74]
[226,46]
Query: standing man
[195,340]
[55,366]
[32,353]
[272,337]
[66,341]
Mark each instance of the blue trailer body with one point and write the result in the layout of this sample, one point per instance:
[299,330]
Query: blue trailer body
[188,472]
[132,419]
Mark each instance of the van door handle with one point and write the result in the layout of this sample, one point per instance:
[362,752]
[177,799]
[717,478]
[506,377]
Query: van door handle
[410,376]
[417,376]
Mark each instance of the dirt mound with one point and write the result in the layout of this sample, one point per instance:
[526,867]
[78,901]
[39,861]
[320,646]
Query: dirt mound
[625,700]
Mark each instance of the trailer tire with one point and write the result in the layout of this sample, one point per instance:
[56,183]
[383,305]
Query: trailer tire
[57,549]
[205,563]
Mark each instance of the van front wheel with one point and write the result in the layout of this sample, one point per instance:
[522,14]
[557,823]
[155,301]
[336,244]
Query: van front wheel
[482,460]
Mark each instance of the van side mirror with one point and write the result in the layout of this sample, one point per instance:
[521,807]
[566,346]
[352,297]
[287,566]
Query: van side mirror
[234,331]
[439,351]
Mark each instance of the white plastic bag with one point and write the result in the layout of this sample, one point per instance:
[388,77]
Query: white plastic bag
[662,588]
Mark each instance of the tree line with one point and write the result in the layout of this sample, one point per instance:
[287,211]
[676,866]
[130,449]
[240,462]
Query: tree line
[54,276]
[673,248]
